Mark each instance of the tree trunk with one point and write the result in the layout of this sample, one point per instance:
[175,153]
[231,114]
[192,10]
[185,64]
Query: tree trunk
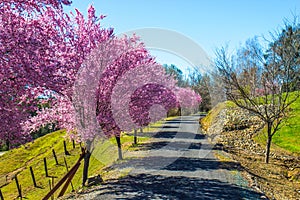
[86,162]
[135,136]
[141,130]
[7,144]
[269,140]
[118,139]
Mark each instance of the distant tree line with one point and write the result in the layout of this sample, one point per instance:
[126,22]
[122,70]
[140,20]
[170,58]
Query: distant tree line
[263,80]
[262,76]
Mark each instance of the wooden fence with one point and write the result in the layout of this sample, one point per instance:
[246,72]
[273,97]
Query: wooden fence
[66,179]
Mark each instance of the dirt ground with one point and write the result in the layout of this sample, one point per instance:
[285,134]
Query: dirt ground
[280,179]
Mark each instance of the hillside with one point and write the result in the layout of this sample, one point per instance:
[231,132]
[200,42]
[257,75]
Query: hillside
[226,117]
[288,136]
[242,135]
[18,161]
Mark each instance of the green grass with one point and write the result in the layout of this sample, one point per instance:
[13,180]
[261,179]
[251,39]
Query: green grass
[18,161]
[288,136]
[32,155]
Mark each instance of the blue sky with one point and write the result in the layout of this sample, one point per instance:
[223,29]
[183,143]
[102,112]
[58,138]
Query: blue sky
[210,23]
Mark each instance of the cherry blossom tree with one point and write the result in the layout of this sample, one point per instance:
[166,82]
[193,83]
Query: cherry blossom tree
[150,103]
[93,88]
[135,55]
[83,64]
[41,48]
[136,88]
[188,99]
[21,39]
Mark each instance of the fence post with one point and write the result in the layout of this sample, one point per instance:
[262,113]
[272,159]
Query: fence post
[18,187]
[52,180]
[32,176]
[73,171]
[1,195]
[65,148]
[50,186]
[66,164]
[21,192]
[54,155]
[46,169]
[67,178]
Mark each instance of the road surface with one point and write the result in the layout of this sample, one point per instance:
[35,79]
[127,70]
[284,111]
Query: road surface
[178,164]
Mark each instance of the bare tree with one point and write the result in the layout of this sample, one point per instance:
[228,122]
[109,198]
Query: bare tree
[262,81]
[216,89]
[201,84]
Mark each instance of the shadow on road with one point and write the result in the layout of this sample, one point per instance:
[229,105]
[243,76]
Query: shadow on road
[180,146]
[175,134]
[193,164]
[178,164]
[180,122]
[145,186]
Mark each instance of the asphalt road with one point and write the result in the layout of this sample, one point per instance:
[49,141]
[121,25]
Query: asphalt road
[178,164]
